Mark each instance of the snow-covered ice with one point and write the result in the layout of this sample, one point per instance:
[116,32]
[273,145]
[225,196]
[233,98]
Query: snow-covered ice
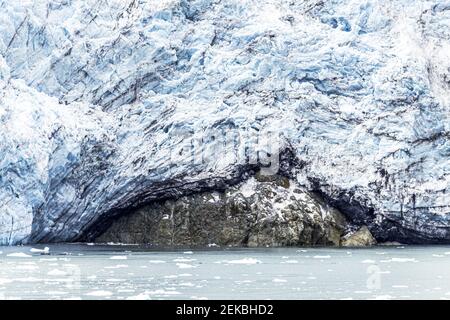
[93,115]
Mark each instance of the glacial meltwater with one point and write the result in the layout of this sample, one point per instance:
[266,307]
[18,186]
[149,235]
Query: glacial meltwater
[133,272]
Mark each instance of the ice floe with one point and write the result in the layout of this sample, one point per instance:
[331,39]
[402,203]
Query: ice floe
[18,255]
[118,258]
[99,293]
[156,261]
[46,250]
[247,261]
[368,261]
[56,272]
[185,266]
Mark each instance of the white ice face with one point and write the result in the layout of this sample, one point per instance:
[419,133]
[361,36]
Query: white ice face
[107,105]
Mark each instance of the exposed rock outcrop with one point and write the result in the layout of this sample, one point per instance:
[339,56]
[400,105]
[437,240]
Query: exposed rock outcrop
[260,212]
[360,238]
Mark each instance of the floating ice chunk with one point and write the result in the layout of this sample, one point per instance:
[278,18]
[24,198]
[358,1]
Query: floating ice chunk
[368,261]
[322,257]
[46,250]
[64,259]
[118,258]
[183,260]
[198,298]
[99,293]
[162,292]
[399,286]
[156,261]
[186,284]
[185,266]
[18,255]
[188,252]
[56,293]
[119,266]
[290,261]
[244,261]
[384,297]
[244,281]
[279,280]
[48,259]
[141,296]
[402,260]
[114,280]
[70,265]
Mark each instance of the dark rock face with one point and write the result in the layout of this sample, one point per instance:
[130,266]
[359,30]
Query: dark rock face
[360,238]
[262,211]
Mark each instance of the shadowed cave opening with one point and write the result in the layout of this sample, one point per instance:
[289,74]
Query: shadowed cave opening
[252,210]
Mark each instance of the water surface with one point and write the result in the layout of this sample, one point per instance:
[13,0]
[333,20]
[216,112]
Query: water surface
[132,272]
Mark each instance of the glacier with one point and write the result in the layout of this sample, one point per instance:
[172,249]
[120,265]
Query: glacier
[109,105]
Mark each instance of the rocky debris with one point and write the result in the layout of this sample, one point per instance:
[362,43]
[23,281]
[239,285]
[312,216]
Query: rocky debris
[262,211]
[360,238]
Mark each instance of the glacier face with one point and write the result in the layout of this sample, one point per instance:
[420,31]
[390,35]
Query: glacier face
[108,105]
